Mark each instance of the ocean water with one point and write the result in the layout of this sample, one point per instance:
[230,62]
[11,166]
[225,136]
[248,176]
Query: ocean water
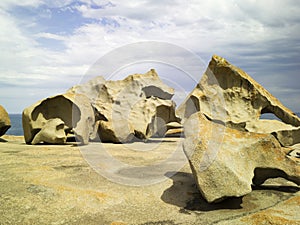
[16,125]
[17,129]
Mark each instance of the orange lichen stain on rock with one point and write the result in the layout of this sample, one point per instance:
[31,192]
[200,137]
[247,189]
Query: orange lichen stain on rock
[96,194]
[293,201]
[76,191]
[118,223]
[265,218]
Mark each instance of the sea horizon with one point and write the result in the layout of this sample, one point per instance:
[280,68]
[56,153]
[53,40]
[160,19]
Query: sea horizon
[16,128]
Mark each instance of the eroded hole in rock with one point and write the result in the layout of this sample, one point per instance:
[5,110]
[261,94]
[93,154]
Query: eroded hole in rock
[51,108]
[269,116]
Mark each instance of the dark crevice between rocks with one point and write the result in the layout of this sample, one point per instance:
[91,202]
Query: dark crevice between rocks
[262,174]
[3,140]
[296,154]
[281,188]
[164,222]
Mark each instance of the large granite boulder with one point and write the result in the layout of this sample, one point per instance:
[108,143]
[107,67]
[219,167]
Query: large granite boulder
[4,121]
[139,106]
[52,119]
[229,95]
[226,162]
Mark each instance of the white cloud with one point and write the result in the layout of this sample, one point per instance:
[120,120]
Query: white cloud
[250,33]
[8,3]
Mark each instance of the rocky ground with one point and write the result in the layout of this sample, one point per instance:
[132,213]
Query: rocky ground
[53,184]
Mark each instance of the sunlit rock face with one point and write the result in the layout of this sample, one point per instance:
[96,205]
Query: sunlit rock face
[226,162]
[137,107]
[229,95]
[52,119]
[228,145]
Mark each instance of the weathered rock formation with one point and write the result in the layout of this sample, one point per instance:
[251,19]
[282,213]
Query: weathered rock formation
[227,143]
[139,106]
[175,129]
[286,134]
[52,119]
[4,121]
[225,162]
[229,95]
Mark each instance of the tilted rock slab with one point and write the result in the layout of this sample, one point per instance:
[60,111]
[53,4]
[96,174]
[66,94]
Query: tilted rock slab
[225,162]
[228,94]
[52,119]
[4,121]
[286,134]
[139,106]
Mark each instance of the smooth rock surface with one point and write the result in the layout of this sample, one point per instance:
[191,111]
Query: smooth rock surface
[228,94]
[224,161]
[139,106]
[52,119]
[53,184]
[4,121]
[52,132]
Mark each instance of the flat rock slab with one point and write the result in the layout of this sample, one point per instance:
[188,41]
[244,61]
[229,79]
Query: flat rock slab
[47,184]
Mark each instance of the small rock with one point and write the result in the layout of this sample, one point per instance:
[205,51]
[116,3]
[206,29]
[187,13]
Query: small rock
[4,121]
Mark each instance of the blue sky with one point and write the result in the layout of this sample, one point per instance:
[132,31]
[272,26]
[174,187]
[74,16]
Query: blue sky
[48,46]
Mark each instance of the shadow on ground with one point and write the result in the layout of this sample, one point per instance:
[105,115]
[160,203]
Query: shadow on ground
[185,194]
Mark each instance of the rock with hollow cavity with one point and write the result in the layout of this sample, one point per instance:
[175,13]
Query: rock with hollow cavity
[228,94]
[286,134]
[52,132]
[52,119]
[226,161]
[139,106]
[288,137]
[4,121]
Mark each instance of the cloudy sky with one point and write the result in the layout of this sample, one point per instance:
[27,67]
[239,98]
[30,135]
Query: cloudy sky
[49,45]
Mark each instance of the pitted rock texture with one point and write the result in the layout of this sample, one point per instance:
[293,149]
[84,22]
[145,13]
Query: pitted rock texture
[139,106]
[286,134]
[229,95]
[226,162]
